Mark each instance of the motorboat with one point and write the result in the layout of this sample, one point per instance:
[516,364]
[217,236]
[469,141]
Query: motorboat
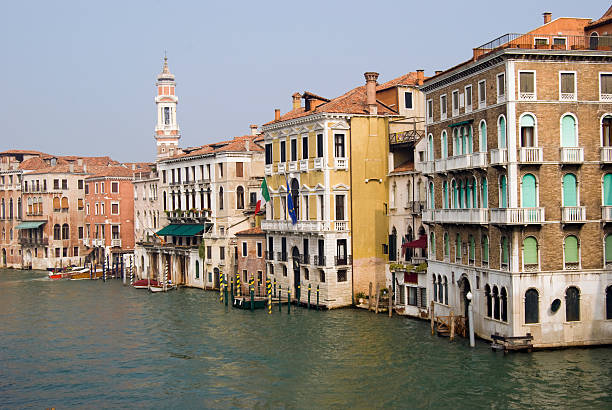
[145,283]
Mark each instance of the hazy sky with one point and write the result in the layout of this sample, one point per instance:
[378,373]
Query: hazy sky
[78,76]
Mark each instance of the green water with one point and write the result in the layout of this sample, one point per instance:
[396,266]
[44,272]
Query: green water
[92,344]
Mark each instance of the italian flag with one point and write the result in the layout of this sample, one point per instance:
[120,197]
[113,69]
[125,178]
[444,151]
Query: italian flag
[264,196]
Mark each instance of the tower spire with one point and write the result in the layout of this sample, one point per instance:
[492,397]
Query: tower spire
[167,132]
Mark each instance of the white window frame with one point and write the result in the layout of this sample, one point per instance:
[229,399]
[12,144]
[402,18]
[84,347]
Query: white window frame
[541,38]
[526,97]
[558,37]
[444,114]
[112,184]
[482,102]
[244,249]
[429,108]
[259,249]
[604,97]
[118,208]
[568,97]
[501,97]
[411,98]
[468,104]
[455,109]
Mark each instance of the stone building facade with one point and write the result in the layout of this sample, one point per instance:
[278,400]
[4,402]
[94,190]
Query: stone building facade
[251,259]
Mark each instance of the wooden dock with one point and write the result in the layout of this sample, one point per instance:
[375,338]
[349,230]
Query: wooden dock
[516,343]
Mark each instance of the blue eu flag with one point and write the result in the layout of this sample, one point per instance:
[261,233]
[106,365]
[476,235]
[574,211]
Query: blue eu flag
[290,208]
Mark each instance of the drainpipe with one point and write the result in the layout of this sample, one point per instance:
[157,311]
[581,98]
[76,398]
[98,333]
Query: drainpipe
[351,198]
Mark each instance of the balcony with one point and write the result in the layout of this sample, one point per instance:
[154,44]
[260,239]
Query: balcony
[530,155]
[293,166]
[341,226]
[467,161]
[318,164]
[343,260]
[572,155]
[573,214]
[270,255]
[116,243]
[268,168]
[517,216]
[33,241]
[428,216]
[567,97]
[606,155]
[97,242]
[404,137]
[281,256]
[86,242]
[305,259]
[319,260]
[499,156]
[301,226]
[416,207]
[340,163]
[428,167]
[440,165]
[281,167]
[606,213]
[462,216]
[304,165]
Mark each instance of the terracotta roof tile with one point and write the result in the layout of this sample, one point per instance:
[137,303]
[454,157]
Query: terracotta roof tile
[33,163]
[607,17]
[22,151]
[404,167]
[237,144]
[112,171]
[409,79]
[251,231]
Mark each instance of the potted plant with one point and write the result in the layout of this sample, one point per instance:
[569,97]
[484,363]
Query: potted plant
[360,297]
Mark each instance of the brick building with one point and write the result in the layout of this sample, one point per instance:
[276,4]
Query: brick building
[520,186]
[251,263]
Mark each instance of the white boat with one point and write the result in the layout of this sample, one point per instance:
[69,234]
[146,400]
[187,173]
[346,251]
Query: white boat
[156,289]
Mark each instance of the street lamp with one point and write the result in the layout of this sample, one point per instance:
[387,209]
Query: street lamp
[469,296]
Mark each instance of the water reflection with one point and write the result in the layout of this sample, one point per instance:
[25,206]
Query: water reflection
[95,344]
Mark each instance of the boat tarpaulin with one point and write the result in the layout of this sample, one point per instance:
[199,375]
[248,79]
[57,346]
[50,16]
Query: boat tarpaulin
[181,230]
[30,224]
[419,243]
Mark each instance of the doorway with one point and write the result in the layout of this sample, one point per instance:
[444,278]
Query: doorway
[295,256]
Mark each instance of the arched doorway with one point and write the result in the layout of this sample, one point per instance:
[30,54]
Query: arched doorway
[3,257]
[464,288]
[216,278]
[28,259]
[295,256]
[295,196]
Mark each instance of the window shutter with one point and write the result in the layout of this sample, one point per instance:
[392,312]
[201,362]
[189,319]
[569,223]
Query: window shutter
[530,251]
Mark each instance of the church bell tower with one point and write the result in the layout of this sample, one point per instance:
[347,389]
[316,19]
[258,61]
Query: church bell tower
[167,133]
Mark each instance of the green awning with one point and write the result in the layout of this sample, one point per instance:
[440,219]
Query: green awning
[461,123]
[181,230]
[30,225]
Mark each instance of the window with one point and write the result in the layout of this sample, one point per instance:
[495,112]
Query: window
[567,86]
[222,253]
[80,184]
[527,124]
[496,303]
[443,107]
[435,286]
[483,136]
[489,300]
[101,187]
[283,151]
[114,187]
[503,192]
[559,43]
[209,252]
[532,314]
[259,249]
[609,302]
[444,144]
[455,103]
[57,232]
[339,146]
[605,86]
[527,85]
[468,98]
[570,194]
[341,275]
[485,250]
[220,171]
[115,208]
[482,94]
[244,249]
[56,184]
[64,202]
[294,153]
[86,189]
[305,147]
[501,132]
[197,269]
[572,304]
[240,197]
[239,169]
[65,231]
[501,87]
[102,210]
[319,145]
[606,133]
[568,131]
[408,100]
[432,245]
[607,190]
[446,246]
[430,148]
[571,255]
[166,115]
[220,197]
[321,275]
[268,154]
[340,208]
[472,250]
[505,253]
[529,192]
[530,253]
[429,110]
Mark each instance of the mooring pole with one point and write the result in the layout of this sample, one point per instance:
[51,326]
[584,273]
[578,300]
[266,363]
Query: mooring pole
[390,301]
[280,290]
[225,289]
[232,290]
[370,298]
[252,297]
[470,319]
[269,289]
[298,294]
[317,297]
[275,287]
[289,300]
[309,288]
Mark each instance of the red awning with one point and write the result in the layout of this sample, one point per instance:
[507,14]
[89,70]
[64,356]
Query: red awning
[419,243]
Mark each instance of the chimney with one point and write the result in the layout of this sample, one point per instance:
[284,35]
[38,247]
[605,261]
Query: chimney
[253,129]
[133,167]
[371,78]
[71,167]
[420,76]
[547,17]
[85,168]
[247,145]
[276,114]
[297,97]
[80,162]
[438,72]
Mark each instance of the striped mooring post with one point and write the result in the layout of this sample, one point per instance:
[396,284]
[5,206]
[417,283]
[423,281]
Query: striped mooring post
[131,270]
[275,287]
[238,291]
[225,289]
[232,289]
[317,297]
[220,287]
[309,288]
[289,300]
[298,293]
[269,289]
[280,306]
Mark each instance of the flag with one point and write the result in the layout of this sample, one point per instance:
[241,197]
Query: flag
[403,247]
[290,208]
[264,196]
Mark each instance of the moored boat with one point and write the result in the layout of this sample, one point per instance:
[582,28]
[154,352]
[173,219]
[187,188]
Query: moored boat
[144,283]
[160,288]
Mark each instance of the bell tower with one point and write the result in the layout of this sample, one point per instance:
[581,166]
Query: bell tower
[167,131]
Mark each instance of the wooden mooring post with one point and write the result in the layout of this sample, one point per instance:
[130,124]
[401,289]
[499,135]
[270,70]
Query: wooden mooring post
[370,298]
[431,316]
[452,326]
[377,296]
[390,301]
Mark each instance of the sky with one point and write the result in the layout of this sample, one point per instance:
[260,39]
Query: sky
[78,76]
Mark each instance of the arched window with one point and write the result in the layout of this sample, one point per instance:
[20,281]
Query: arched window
[530,252]
[474,193]
[197,270]
[57,232]
[468,194]
[221,197]
[432,245]
[458,248]
[445,194]
[505,252]
[608,248]
[19,208]
[470,143]
[165,201]
[392,195]
[606,131]
[456,144]
[64,202]
[528,191]
[568,131]
[484,194]
[532,306]
[445,290]
[430,148]
[65,231]
[2,209]
[446,245]
[483,136]
[485,249]
[501,132]
[594,41]
[570,194]
[504,304]
[30,206]
[432,202]
[488,298]
[435,292]
[503,192]
[11,208]
[570,252]
[295,196]
[455,203]
[607,190]
[527,124]
[240,197]
[444,142]
[461,194]
[495,303]
[464,140]
[572,304]
[609,302]
[57,204]
[440,290]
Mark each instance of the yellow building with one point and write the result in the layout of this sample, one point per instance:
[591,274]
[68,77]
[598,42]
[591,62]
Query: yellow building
[332,156]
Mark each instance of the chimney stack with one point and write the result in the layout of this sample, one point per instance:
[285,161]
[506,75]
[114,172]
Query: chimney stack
[371,78]
[276,114]
[71,167]
[85,168]
[547,17]
[80,161]
[133,167]
[438,72]
[297,100]
[247,145]
[253,129]
[420,76]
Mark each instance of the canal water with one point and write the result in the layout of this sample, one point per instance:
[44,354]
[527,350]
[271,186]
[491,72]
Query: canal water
[94,344]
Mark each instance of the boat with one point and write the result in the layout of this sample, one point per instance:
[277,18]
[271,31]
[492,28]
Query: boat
[67,272]
[144,283]
[244,302]
[86,273]
[160,287]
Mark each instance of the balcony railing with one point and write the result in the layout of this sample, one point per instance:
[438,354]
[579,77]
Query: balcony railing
[499,156]
[572,155]
[341,225]
[517,216]
[319,260]
[405,137]
[567,96]
[428,167]
[116,243]
[34,241]
[86,242]
[268,169]
[305,259]
[340,163]
[530,155]
[281,167]
[303,165]
[301,226]
[97,242]
[606,213]
[606,154]
[428,216]
[462,216]
[417,207]
[293,166]
[440,165]
[281,256]
[343,260]
[573,214]
[318,163]
[270,255]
